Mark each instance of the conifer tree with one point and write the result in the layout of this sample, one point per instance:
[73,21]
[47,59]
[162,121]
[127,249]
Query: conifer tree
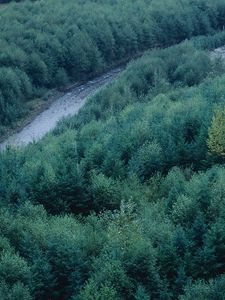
[216,140]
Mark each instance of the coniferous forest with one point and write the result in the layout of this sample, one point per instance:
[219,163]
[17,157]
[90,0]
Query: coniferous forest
[125,200]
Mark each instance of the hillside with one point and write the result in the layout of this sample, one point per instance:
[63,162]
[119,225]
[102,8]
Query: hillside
[83,38]
[125,200]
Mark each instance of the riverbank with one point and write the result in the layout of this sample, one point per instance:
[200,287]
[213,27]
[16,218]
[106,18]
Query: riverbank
[56,108]
[34,108]
[37,106]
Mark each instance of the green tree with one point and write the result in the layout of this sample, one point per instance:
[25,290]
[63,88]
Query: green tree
[216,139]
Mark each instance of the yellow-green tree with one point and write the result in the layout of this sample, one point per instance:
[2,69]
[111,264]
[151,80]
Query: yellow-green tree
[216,140]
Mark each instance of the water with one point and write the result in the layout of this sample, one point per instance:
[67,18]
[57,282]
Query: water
[219,52]
[68,104]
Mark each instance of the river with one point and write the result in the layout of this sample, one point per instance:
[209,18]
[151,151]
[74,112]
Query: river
[68,104]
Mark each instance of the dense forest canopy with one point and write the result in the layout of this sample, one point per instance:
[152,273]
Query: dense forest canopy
[48,44]
[126,200]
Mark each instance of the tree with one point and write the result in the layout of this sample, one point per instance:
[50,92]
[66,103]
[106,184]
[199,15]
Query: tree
[216,140]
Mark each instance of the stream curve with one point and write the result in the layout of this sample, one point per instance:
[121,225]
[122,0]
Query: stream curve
[68,104]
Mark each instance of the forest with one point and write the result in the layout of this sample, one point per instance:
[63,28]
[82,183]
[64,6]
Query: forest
[125,200]
[83,38]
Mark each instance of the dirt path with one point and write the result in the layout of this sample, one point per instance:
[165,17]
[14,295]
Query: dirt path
[68,104]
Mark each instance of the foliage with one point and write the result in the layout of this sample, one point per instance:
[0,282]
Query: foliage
[216,141]
[122,201]
[38,54]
